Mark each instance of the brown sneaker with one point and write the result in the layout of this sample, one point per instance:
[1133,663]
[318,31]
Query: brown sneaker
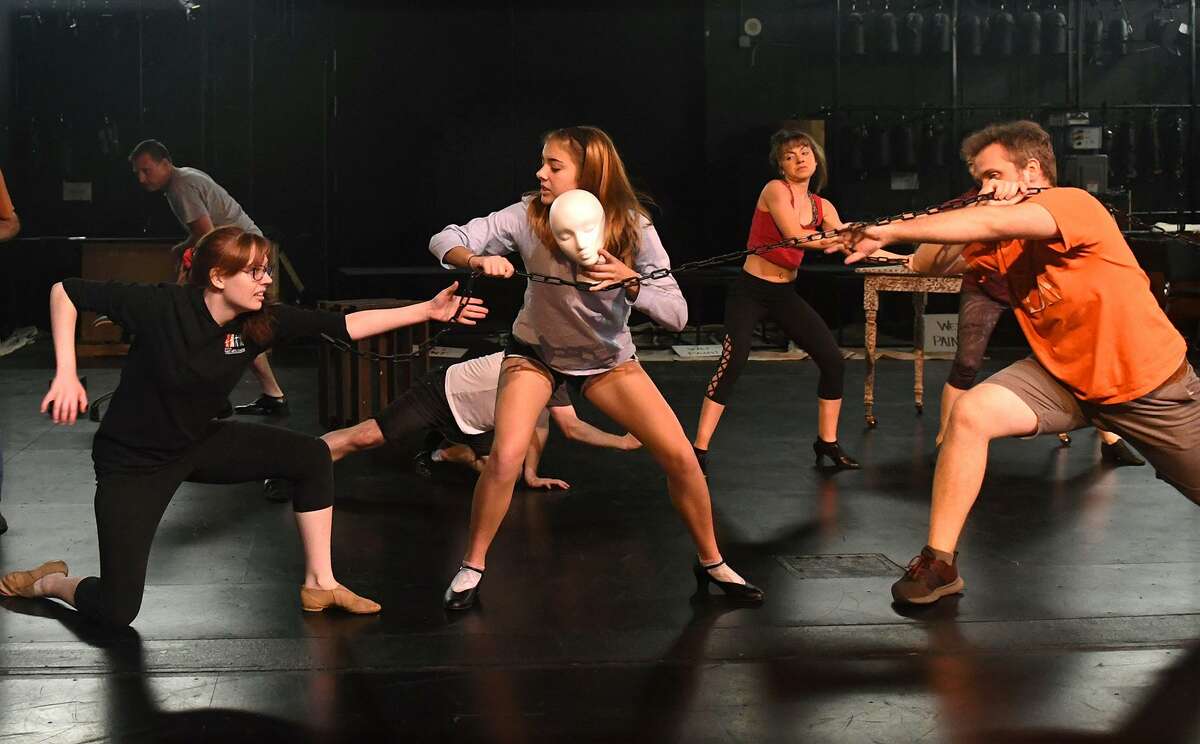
[317,600]
[928,579]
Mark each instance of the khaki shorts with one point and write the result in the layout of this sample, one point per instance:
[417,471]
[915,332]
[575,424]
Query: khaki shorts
[1164,424]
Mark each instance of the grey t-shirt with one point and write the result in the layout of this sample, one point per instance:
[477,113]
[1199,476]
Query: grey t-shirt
[193,194]
[575,332]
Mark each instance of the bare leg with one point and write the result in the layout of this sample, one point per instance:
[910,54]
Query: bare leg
[321,590]
[57,586]
[629,397]
[266,376]
[950,396]
[316,532]
[827,418]
[461,454]
[362,436]
[524,390]
[710,416]
[984,413]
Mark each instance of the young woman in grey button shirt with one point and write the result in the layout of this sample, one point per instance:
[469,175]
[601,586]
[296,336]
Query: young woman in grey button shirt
[566,336]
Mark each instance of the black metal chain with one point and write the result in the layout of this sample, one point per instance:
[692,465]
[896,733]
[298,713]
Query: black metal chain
[724,258]
[801,242]
[422,348]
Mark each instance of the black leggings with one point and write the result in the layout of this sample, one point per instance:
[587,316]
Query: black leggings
[750,301]
[978,314]
[129,506]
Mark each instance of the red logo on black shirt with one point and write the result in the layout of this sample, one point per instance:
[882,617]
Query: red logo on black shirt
[234,344]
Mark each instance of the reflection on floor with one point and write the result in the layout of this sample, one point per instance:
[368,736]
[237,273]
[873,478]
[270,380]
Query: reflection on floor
[1080,621]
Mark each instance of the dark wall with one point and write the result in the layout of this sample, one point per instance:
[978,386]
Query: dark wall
[802,65]
[793,70]
[446,124]
[229,90]
[353,131]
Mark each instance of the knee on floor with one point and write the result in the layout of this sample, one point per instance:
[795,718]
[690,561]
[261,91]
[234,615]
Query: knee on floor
[121,613]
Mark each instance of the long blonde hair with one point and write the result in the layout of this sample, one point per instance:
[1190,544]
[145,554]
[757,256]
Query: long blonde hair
[603,174]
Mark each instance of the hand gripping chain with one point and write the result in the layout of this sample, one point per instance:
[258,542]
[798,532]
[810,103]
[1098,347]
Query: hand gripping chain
[802,242]
[463,300]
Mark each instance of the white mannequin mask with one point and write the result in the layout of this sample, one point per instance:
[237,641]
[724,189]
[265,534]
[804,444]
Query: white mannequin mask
[577,222]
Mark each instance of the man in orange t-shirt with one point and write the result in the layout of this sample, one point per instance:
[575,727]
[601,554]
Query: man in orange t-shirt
[1104,353]
[9,224]
[9,227]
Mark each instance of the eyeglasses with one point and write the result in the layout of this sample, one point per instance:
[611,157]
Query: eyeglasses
[257,272]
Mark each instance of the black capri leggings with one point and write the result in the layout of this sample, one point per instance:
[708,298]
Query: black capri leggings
[129,506]
[750,301]
[978,314]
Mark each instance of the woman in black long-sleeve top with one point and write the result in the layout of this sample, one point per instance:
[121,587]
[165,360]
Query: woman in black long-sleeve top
[191,345]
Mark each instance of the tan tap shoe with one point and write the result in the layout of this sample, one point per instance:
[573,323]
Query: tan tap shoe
[20,583]
[317,600]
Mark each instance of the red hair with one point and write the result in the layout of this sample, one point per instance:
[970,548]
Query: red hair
[226,251]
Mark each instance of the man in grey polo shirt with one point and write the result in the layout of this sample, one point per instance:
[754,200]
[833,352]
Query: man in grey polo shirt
[200,204]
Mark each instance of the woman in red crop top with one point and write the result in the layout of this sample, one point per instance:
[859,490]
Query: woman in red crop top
[788,207]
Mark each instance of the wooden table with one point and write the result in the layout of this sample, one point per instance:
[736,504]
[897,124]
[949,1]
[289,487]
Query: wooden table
[146,261]
[899,279]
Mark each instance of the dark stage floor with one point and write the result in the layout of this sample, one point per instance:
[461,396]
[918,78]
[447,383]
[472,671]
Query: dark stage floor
[1080,621]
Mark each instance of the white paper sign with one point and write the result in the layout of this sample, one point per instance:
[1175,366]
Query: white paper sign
[941,333]
[77,191]
[697,351]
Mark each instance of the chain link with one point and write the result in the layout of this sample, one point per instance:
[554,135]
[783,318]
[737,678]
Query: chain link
[724,258]
[801,242]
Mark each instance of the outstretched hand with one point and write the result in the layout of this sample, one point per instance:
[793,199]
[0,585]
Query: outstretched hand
[445,304]
[66,400]
[857,241]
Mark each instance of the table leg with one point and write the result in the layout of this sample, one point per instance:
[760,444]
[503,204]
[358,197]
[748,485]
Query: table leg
[920,300]
[870,310]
